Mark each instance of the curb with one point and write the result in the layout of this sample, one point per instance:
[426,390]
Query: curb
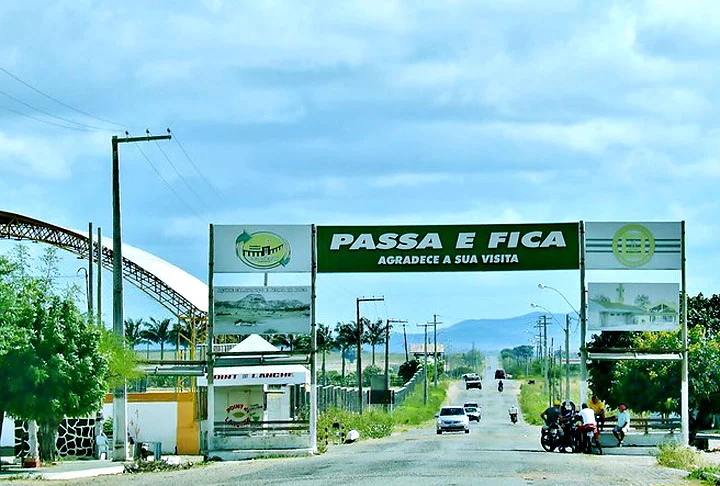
[89,473]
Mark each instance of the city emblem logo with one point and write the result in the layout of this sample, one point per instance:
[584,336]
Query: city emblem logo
[633,245]
[262,250]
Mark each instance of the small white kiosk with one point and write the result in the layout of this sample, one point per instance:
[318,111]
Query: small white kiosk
[258,408]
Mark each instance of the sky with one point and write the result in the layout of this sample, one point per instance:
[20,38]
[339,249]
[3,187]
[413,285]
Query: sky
[367,113]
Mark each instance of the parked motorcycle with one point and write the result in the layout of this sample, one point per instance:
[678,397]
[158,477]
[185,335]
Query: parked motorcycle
[550,437]
[588,439]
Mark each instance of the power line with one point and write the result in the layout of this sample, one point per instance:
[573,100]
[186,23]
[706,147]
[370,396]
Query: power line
[45,121]
[167,184]
[177,140]
[16,78]
[66,120]
[180,175]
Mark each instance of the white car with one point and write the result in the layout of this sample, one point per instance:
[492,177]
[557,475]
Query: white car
[452,419]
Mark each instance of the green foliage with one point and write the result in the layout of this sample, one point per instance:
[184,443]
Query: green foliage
[655,385]
[413,412]
[517,361]
[51,364]
[375,334]
[703,472]
[373,423]
[369,372]
[158,466]
[458,371]
[533,402]
[408,369]
[122,362]
[376,422]
[158,332]
[672,454]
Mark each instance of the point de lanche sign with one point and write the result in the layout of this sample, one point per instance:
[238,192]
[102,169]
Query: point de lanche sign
[448,248]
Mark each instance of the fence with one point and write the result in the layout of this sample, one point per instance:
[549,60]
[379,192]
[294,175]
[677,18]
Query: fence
[346,398]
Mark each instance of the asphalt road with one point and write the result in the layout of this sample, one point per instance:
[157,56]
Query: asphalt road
[495,452]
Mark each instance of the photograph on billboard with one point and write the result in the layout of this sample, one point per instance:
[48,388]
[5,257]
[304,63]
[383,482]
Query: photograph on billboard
[262,249]
[448,248]
[633,246]
[633,306]
[262,310]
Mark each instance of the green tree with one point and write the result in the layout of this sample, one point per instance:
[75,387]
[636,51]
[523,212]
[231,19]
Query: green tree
[133,332]
[180,335]
[325,344]
[375,334]
[655,385]
[408,369]
[64,374]
[13,339]
[291,342]
[158,332]
[346,338]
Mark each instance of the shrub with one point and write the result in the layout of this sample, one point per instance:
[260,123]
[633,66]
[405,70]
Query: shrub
[672,454]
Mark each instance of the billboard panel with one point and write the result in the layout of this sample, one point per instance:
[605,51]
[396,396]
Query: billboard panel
[261,310]
[262,249]
[448,248]
[633,306]
[633,246]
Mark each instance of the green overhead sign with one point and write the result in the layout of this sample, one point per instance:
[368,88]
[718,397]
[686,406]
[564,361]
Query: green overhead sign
[452,248]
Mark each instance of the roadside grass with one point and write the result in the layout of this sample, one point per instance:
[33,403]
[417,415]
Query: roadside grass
[676,456]
[413,412]
[532,401]
[711,474]
[376,422]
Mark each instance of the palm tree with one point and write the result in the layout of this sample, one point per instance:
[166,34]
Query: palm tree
[375,332]
[133,332]
[325,343]
[158,331]
[346,339]
[180,334]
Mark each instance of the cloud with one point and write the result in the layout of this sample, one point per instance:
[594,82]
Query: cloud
[32,155]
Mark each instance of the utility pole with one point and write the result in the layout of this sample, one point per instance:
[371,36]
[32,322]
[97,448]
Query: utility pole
[407,357]
[90,286]
[551,374]
[120,450]
[387,347]
[567,357]
[435,356]
[542,328]
[425,365]
[99,277]
[359,346]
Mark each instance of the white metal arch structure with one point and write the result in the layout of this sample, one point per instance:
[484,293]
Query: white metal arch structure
[179,292]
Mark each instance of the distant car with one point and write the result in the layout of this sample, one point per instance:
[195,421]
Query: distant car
[473,413]
[472,380]
[499,374]
[452,419]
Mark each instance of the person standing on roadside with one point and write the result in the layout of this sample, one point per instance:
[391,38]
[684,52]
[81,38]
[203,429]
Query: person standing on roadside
[623,424]
[598,407]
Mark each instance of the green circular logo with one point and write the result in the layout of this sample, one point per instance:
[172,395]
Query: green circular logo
[633,245]
[262,250]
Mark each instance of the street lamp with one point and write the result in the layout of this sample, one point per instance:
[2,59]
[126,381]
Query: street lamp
[583,351]
[543,286]
[566,329]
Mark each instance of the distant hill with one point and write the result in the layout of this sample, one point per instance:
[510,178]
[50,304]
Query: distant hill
[487,334]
